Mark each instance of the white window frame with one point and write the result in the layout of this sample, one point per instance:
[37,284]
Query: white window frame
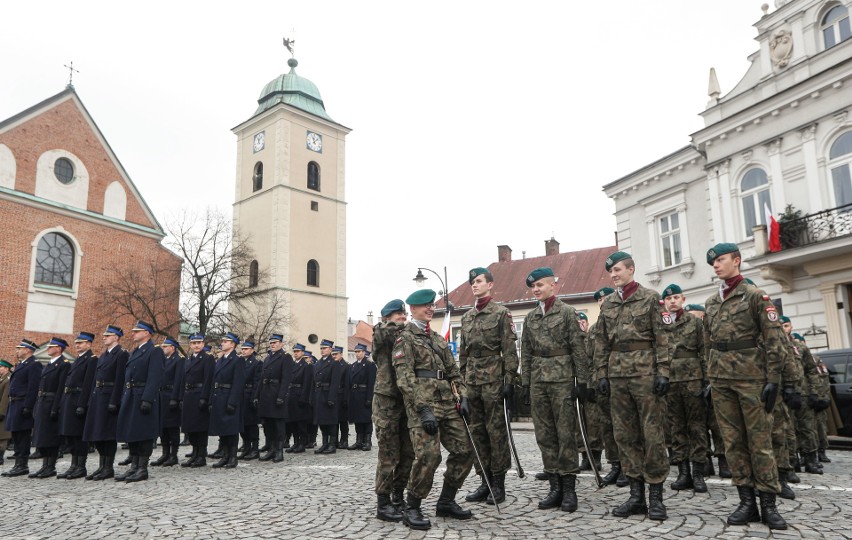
[78,263]
[666,237]
[760,218]
[834,26]
[843,161]
[667,205]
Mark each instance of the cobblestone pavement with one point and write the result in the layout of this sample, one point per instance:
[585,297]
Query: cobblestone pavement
[330,497]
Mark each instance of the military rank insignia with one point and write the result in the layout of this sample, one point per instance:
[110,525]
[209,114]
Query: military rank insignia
[667,317]
[771,313]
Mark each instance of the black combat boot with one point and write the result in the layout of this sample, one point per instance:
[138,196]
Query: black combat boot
[554,496]
[126,461]
[613,474]
[220,451]
[232,457]
[724,470]
[141,472]
[709,470]
[265,447]
[341,441]
[172,459]
[42,469]
[244,449]
[786,491]
[386,511]
[747,511]
[359,439]
[811,464]
[163,458]
[635,505]
[412,517]
[569,495]
[793,478]
[367,441]
[70,469]
[321,449]
[822,457]
[192,455]
[596,459]
[50,470]
[200,458]
[298,444]
[769,513]
[684,477]
[671,455]
[331,448]
[80,471]
[542,476]
[252,452]
[585,464]
[134,466]
[796,462]
[279,452]
[397,497]
[19,469]
[223,460]
[272,448]
[99,469]
[108,471]
[448,507]
[498,484]
[622,481]
[656,508]
[481,493]
[698,483]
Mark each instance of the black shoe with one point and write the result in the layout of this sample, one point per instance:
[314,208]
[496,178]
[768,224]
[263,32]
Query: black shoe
[481,493]
[569,495]
[359,439]
[554,496]
[126,461]
[684,477]
[199,461]
[822,457]
[134,466]
[19,469]
[397,497]
[367,442]
[622,481]
[635,505]
[656,508]
[162,459]
[108,471]
[192,455]
[498,485]
[299,447]
[265,447]
[36,454]
[769,513]
[80,471]
[613,474]
[172,459]
[141,472]
[342,442]
[811,464]
[69,470]
[278,457]
[448,507]
[232,458]
[596,459]
[542,476]
[225,455]
[218,453]
[793,478]
[43,466]
[412,517]
[253,452]
[324,446]
[99,470]
[747,511]
[724,470]
[786,491]
[698,483]
[50,470]
[386,511]
[585,464]
[709,470]
[331,448]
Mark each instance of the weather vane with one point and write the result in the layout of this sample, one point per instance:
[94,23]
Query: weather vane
[291,45]
[71,71]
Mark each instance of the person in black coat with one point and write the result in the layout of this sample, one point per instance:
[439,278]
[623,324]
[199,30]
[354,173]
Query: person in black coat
[299,411]
[226,401]
[46,427]
[198,383]
[104,399]
[171,395]
[269,396]
[362,380]
[342,442]
[23,392]
[327,377]
[250,432]
[139,414]
[74,403]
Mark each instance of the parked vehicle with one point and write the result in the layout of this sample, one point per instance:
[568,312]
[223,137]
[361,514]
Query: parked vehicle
[839,363]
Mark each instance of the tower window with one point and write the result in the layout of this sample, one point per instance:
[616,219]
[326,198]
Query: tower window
[253,274]
[315,206]
[313,176]
[257,178]
[313,273]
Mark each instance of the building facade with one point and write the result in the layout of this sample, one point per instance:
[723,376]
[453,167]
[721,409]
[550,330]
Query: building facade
[780,140]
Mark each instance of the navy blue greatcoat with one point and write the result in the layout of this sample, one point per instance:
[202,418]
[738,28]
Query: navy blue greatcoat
[343,392]
[254,370]
[171,389]
[46,429]
[301,389]
[362,380]
[327,378]
[23,391]
[197,384]
[142,378]
[274,383]
[75,393]
[228,380]
[107,388]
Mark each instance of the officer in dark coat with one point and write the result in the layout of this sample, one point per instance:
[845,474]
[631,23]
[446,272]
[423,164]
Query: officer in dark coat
[312,429]
[226,401]
[250,431]
[23,392]
[46,428]
[198,383]
[171,395]
[104,400]
[362,379]
[270,395]
[327,377]
[74,403]
[342,441]
[299,410]
[138,417]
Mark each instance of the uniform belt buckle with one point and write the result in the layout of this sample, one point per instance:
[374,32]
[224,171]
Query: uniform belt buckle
[128,385]
[477,354]
[439,375]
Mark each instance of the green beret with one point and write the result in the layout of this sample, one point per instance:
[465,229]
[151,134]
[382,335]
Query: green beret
[421,297]
[720,249]
[477,272]
[603,291]
[539,273]
[582,316]
[784,319]
[800,337]
[750,282]
[615,258]
[5,364]
[670,290]
[392,307]
[693,307]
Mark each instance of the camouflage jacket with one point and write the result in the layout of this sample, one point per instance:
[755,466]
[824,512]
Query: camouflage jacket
[746,316]
[553,347]
[487,351]
[384,336]
[590,353]
[824,388]
[810,382]
[686,340]
[631,339]
[415,350]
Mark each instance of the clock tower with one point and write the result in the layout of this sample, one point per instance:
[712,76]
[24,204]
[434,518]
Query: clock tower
[290,205]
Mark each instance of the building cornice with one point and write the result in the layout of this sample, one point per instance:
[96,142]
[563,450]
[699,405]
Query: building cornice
[261,117]
[309,192]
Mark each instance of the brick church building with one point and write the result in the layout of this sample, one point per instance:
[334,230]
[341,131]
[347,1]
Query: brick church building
[80,248]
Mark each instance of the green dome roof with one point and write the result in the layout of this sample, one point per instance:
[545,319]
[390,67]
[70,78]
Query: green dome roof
[293,90]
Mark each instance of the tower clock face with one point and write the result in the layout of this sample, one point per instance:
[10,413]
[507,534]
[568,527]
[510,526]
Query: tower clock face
[314,141]
[259,142]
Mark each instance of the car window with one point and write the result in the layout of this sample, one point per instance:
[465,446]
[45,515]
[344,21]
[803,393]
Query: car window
[836,369]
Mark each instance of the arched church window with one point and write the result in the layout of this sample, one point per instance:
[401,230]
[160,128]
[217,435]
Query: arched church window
[313,176]
[257,178]
[754,189]
[835,26]
[55,261]
[313,273]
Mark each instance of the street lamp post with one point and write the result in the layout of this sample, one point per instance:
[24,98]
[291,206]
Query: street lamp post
[420,278]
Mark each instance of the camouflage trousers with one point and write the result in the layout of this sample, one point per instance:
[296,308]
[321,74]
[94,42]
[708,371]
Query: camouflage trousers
[555,423]
[687,422]
[605,426]
[790,435]
[488,425]
[638,419]
[780,423]
[396,453]
[593,428]
[452,435]
[806,435]
[747,431]
[822,429]
[715,434]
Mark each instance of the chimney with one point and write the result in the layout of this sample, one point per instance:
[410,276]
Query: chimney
[504,253]
[551,247]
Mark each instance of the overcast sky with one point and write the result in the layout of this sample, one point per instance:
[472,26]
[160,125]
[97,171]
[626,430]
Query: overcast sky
[474,123]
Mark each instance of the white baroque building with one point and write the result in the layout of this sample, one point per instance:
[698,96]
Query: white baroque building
[782,136]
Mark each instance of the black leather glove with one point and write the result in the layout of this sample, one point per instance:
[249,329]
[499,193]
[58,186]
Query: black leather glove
[603,386]
[813,401]
[463,407]
[112,408]
[54,415]
[80,412]
[823,405]
[707,394]
[2,417]
[254,403]
[427,419]
[661,385]
[279,402]
[768,396]
[145,407]
[230,409]
[581,391]
[368,404]
[173,404]
[591,395]
[202,403]
[26,413]
[792,398]
[330,403]
[508,391]
[527,396]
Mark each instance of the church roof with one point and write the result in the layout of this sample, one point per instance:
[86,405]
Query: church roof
[293,90]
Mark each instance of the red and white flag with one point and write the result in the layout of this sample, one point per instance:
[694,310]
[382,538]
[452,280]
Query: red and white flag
[773,230]
[445,327]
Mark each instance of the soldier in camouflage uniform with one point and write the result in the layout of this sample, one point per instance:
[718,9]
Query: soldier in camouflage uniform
[553,354]
[824,402]
[488,361]
[435,402]
[791,378]
[745,380]
[806,433]
[686,409]
[395,451]
[592,411]
[632,360]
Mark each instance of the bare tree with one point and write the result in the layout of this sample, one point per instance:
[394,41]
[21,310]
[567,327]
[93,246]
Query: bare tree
[256,317]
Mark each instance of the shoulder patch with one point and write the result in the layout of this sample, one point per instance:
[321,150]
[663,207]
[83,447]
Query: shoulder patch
[766,297]
[398,340]
[667,317]
[771,314]
[400,353]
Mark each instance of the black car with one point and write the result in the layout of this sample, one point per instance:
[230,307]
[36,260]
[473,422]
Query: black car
[839,363]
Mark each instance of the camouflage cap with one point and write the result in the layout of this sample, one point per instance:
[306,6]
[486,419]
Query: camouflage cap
[720,249]
[476,272]
[603,291]
[538,273]
[421,297]
[615,258]
[670,290]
